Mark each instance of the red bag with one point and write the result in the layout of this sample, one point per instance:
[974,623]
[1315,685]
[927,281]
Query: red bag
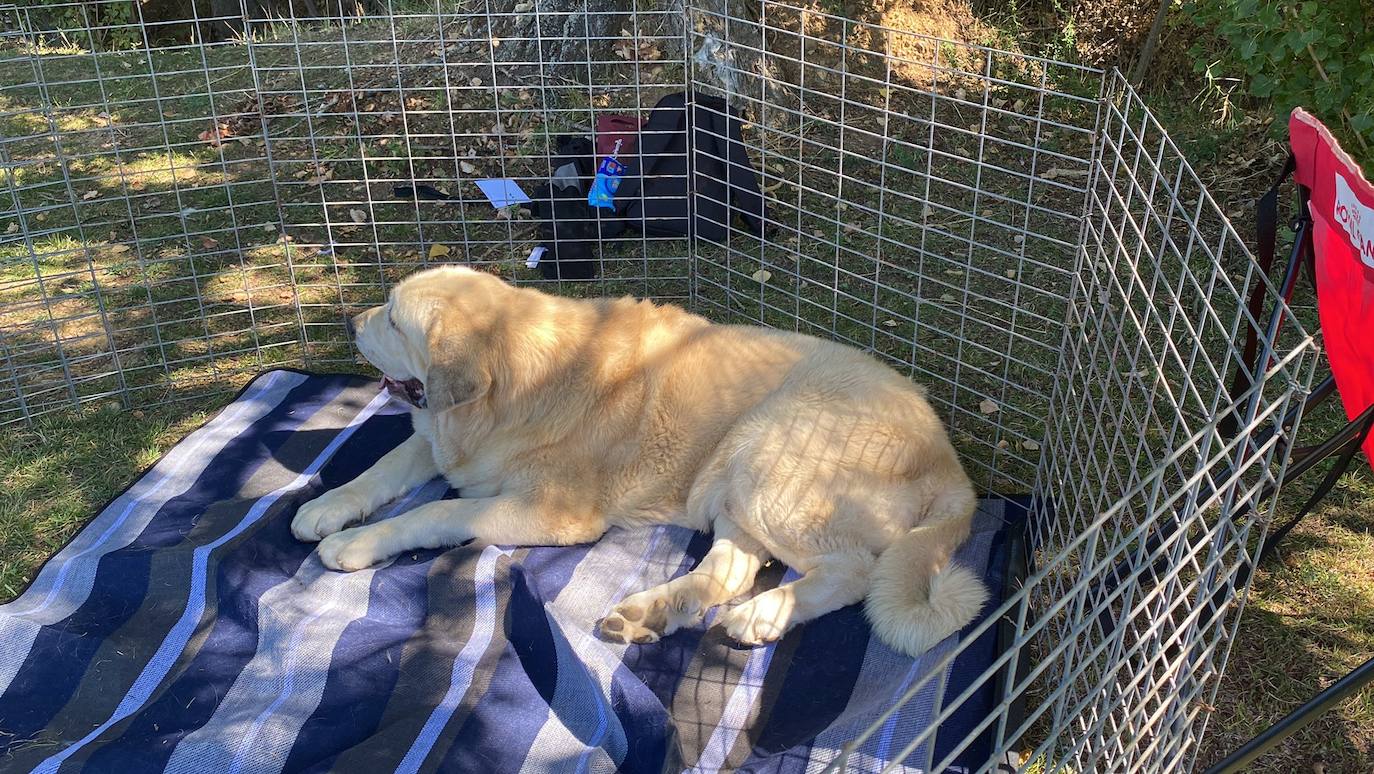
[610,128]
[1342,207]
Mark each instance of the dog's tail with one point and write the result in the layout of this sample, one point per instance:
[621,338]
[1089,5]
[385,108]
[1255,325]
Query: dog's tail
[916,597]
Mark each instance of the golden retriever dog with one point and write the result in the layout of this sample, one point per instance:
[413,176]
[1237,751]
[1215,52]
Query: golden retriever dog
[558,418]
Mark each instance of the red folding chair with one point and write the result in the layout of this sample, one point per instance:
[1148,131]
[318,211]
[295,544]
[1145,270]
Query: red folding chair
[1334,240]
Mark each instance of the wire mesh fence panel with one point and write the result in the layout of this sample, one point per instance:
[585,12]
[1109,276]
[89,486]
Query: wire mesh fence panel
[435,99]
[190,200]
[925,203]
[1139,480]
[140,211]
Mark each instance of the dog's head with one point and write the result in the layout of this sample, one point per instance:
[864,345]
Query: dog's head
[432,338]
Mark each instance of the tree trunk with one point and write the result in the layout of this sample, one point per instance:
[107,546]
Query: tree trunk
[1147,51]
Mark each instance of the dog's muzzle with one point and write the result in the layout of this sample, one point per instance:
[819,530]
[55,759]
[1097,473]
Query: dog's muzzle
[410,391]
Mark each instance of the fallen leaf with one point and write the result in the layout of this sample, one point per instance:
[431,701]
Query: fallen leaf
[467,168]
[89,195]
[358,216]
[476,81]
[1002,444]
[209,243]
[818,234]
[762,275]
[947,298]
[890,323]
[1050,173]
[438,251]
[119,249]
[13,227]
[1030,445]
[988,406]
[217,134]
[1011,273]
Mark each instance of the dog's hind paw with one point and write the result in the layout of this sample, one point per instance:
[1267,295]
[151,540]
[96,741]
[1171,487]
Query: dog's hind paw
[756,622]
[634,622]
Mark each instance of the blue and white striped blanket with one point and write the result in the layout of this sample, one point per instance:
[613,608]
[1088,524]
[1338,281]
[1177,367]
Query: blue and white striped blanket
[184,629]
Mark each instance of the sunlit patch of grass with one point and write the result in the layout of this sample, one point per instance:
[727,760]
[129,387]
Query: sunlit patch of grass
[1309,621]
[148,170]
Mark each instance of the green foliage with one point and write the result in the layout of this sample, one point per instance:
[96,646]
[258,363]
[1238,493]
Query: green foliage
[88,26]
[1317,55]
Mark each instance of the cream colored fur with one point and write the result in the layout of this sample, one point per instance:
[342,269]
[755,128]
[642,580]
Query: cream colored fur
[558,418]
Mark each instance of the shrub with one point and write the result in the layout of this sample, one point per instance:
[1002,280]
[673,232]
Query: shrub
[1319,55]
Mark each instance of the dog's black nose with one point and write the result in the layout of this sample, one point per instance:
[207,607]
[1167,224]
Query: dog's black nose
[348,326]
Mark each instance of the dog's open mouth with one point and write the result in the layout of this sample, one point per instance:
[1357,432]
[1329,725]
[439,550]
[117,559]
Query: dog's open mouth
[410,391]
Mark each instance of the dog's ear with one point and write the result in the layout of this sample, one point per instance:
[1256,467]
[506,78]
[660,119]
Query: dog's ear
[459,371]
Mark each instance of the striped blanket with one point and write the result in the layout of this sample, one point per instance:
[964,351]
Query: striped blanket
[185,630]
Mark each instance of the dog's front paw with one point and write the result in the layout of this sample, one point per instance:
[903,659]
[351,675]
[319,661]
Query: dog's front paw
[758,621]
[354,549]
[325,515]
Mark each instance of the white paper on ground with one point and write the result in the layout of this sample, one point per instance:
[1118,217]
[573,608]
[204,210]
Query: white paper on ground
[535,255]
[502,192]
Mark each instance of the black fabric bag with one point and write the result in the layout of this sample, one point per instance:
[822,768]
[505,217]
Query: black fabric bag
[569,228]
[654,196]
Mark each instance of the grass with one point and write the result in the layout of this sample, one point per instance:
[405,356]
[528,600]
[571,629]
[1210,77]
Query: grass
[56,473]
[1310,615]
[173,281]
